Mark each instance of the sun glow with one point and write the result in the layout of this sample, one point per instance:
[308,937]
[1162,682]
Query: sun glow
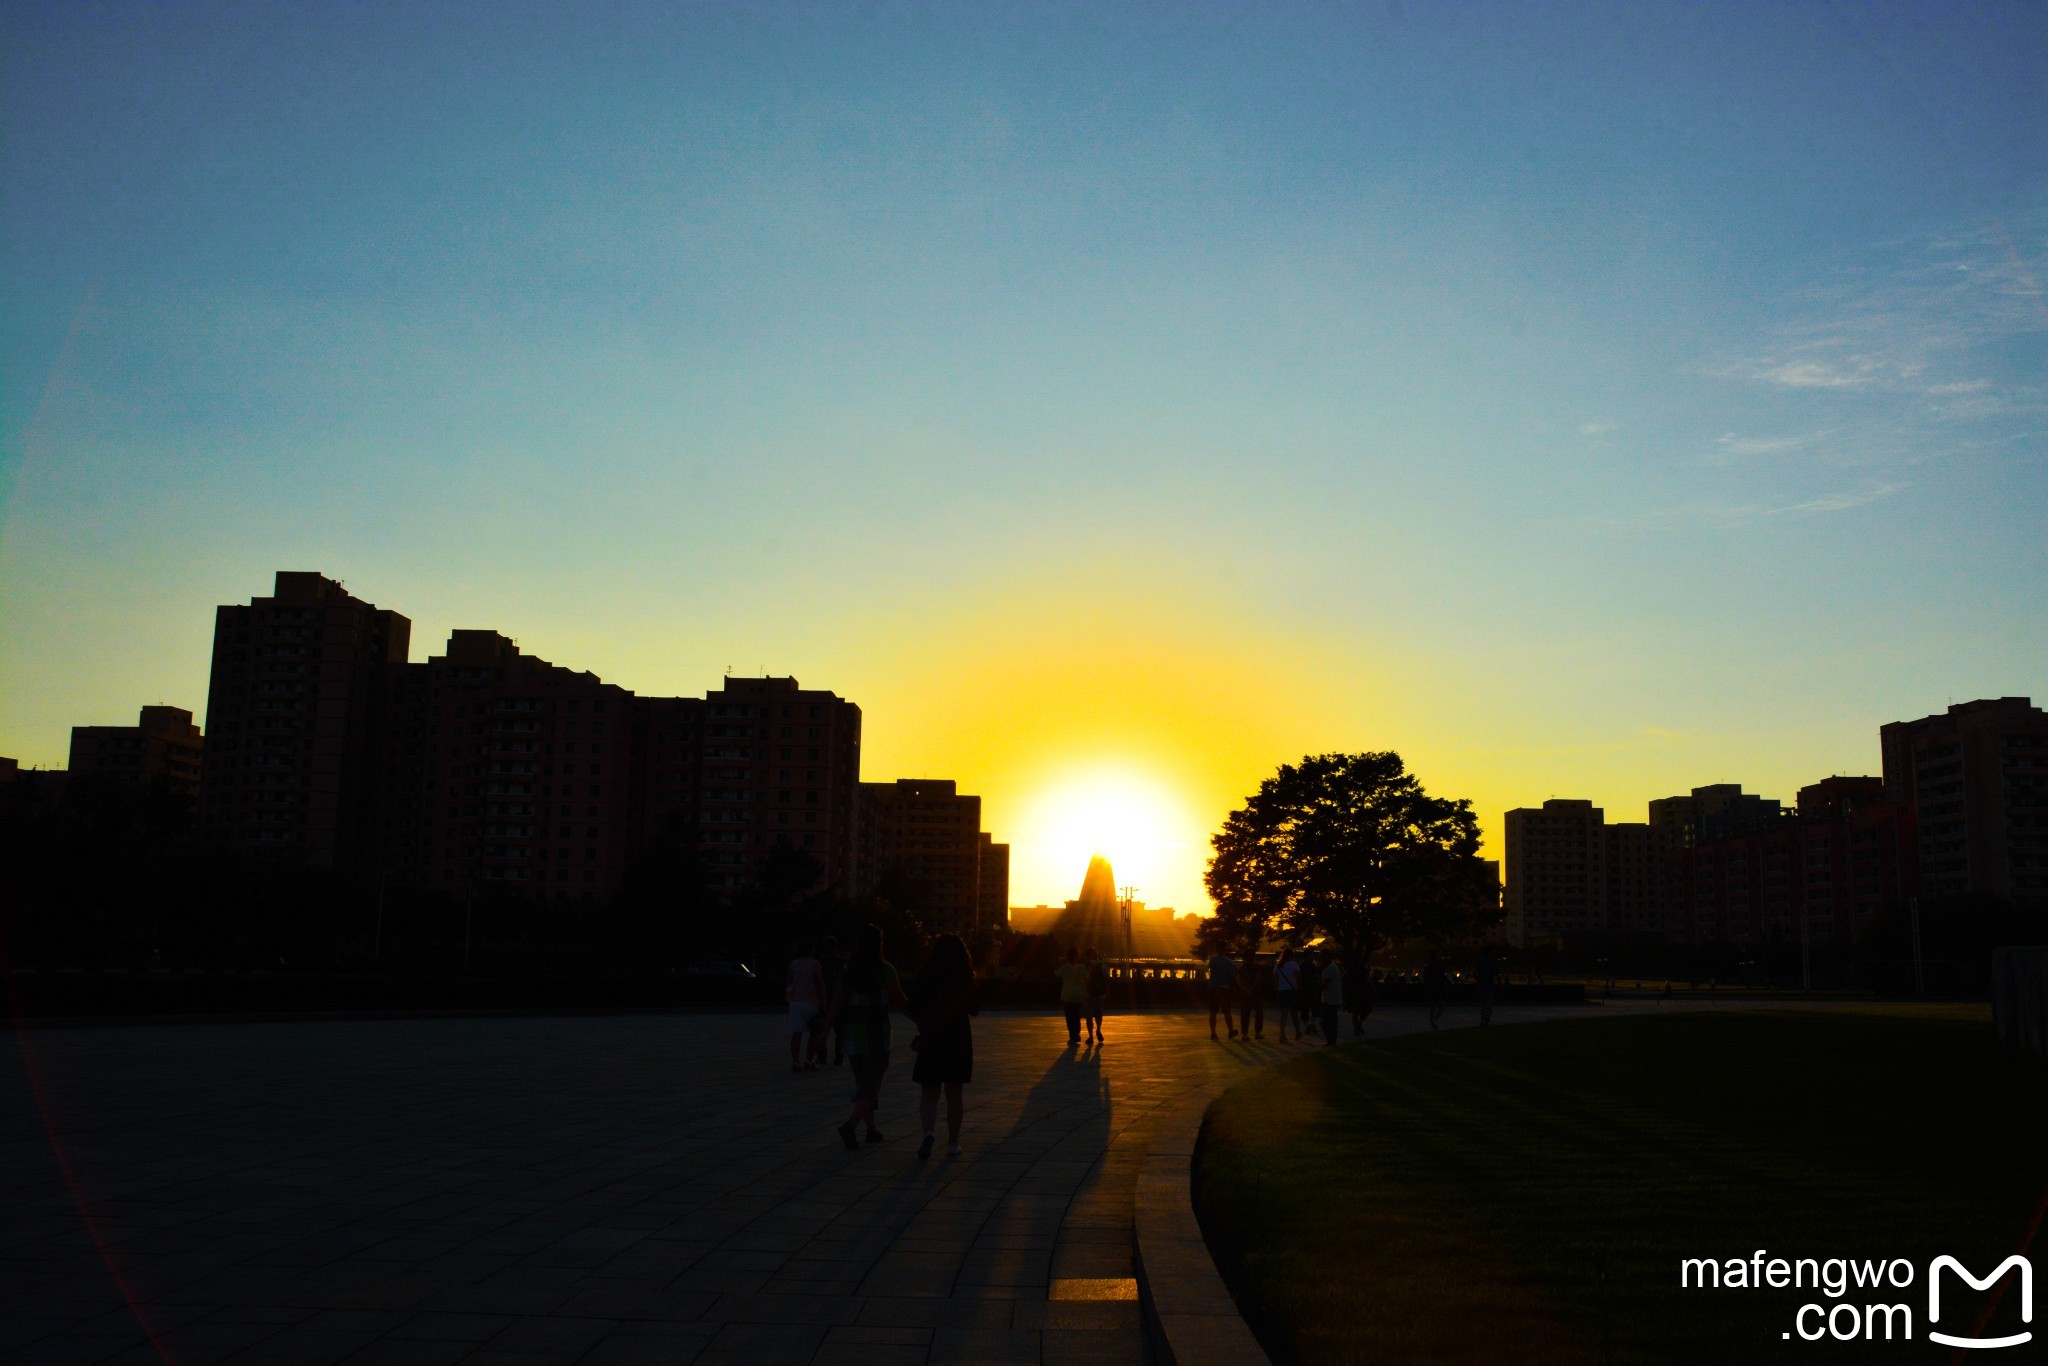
[1141,825]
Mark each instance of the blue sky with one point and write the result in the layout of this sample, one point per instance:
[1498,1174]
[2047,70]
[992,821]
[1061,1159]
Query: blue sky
[1585,400]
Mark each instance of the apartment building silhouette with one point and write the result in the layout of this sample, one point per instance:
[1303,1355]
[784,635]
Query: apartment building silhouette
[295,713]
[1961,810]
[1975,779]
[1571,874]
[925,831]
[484,770]
[162,746]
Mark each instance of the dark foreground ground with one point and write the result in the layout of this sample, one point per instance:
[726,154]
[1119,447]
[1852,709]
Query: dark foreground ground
[1528,1195]
[591,1190]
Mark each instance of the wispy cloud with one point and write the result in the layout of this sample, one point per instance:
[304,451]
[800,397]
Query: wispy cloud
[1796,372]
[1836,502]
[1599,428]
[1754,447]
[1730,516]
[1912,321]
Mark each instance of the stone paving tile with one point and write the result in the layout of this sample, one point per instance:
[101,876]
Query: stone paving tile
[935,1311]
[614,1189]
[754,1343]
[965,1345]
[650,1344]
[394,1351]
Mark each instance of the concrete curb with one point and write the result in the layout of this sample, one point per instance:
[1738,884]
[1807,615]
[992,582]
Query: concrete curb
[1190,1318]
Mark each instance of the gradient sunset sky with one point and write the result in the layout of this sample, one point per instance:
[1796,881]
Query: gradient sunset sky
[1115,400]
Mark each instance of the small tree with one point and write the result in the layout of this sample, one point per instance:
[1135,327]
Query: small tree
[1350,849]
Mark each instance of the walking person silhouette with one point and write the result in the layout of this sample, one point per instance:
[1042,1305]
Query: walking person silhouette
[1098,994]
[1073,975]
[1251,997]
[1332,994]
[805,994]
[1434,987]
[1287,994]
[943,997]
[861,1012]
[1222,991]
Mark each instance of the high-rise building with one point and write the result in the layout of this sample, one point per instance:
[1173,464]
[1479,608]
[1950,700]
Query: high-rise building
[1571,874]
[1713,812]
[518,776]
[1839,796]
[506,774]
[992,884]
[1975,780]
[1859,855]
[926,832]
[162,746]
[1820,878]
[1554,856]
[294,720]
[487,769]
[1632,877]
[779,766]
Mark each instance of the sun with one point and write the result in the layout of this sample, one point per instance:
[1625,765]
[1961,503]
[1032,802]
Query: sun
[1139,823]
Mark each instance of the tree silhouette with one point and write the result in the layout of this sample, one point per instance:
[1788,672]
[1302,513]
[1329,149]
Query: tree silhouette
[1347,848]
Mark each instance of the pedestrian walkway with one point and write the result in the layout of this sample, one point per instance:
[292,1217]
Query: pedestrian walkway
[586,1190]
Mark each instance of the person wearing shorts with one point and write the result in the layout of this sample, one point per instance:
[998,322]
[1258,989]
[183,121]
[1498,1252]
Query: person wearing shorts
[868,989]
[805,994]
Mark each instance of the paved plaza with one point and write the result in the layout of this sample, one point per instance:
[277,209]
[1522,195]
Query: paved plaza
[654,1188]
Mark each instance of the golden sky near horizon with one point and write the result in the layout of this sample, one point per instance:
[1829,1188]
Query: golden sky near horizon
[1129,721]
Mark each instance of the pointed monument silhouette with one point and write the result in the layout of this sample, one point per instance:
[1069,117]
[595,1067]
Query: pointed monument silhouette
[1095,920]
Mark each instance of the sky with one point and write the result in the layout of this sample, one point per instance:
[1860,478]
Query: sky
[1116,401]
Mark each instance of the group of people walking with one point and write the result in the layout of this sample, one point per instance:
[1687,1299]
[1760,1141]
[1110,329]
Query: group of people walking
[852,1001]
[849,1001]
[1310,988]
[1084,992]
[1317,987]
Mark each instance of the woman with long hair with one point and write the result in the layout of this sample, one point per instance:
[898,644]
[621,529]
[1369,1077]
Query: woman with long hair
[943,998]
[860,1011]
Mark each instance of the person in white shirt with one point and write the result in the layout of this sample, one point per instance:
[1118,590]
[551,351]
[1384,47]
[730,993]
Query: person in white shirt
[1333,994]
[1287,993]
[806,996]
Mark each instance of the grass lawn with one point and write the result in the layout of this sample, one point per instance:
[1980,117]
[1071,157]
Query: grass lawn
[1526,1193]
